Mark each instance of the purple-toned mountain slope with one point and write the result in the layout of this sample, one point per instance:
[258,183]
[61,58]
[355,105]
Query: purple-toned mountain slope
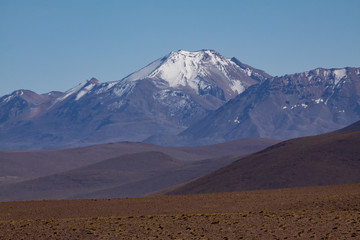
[165,97]
[295,105]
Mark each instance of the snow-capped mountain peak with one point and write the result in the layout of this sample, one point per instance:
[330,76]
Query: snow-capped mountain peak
[183,67]
[199,70]
[178,66]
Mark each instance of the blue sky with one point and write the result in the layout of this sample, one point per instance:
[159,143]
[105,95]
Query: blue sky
[56,44]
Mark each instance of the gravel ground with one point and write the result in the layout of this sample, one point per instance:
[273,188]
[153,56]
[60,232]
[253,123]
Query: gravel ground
[300,213]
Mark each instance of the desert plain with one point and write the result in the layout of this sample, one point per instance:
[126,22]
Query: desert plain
[326,212]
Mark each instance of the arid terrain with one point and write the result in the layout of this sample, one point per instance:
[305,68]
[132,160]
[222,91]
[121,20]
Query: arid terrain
[331,212]
[112,170]
[321,160]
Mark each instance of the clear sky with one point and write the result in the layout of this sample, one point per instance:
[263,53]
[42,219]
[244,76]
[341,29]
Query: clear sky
[56,44]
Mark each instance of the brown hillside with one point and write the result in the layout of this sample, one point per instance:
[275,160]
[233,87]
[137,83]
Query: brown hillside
[310,161]
[131,175]
[22,165]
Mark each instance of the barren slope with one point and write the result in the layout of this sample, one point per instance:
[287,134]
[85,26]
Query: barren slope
[21,165]
[326,159]
[299,213]
[85,173]
[131,175]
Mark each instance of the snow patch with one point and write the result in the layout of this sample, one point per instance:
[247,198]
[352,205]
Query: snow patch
[70,92]
[294,106]
[116,105]
[319,100]
[84,91]
[123,89]
[16,93]
[236,86]
[326,73]
[198,84]
[304,105]
[8,99]
[110,85]
[176,100]
[338,75]
[106,87]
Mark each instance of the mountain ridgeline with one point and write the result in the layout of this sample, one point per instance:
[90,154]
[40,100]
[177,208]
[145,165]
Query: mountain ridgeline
[296,105]
[184,98]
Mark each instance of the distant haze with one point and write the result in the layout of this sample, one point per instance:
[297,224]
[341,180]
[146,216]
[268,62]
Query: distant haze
[54,45]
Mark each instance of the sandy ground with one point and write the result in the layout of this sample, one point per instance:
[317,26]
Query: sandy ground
[298,213]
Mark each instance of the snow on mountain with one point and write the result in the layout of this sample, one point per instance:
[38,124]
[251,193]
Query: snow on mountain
[205,72]
[84,91]
[146,71]
[338,75]
[8,98]
[198,70]
[165,97]
[183,90]
[182,68]
[80,90]
[294,105]
[71,92]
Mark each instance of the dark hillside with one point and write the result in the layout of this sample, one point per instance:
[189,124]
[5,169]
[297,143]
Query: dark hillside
[326,159]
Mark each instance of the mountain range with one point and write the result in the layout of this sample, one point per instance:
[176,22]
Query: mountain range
[166,97]
[184,98]
[136,169]
[296,105]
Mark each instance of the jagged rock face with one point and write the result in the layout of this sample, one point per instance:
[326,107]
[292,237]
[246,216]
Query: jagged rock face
[285,107]
[165,97]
